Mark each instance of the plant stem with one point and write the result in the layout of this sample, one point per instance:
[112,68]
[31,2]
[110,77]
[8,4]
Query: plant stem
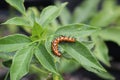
[7,75]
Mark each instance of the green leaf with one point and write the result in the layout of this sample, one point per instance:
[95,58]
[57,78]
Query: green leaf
[106,75]
[54,25]
[13,42]
[33,11]
[6,56]
[82,55]
[21,62]
[36,31]
[65,16]
[108,4]
[23,21]
[49,14]
[102,74]
[83,12]
[30,14]
[18,4]
[89,44]
[101,51]
[45,59]
[111,34]
[103,18]
[68,65]
[77,30]
[48,48]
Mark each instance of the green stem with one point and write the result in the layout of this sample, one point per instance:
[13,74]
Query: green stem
[33,42]
[6,75]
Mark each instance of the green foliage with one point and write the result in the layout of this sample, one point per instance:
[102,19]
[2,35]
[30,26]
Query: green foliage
[65,16]
[77,30]
[19,21]
[101,51]
[43,29]
[68,65]
[13,42]
[36,31]
[82,55]
[83,12]
[18,4]
[111,34]
[49,14]
[21,62]
[106,18]
[45,58]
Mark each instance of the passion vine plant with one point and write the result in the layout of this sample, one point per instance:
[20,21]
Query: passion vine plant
[29,50]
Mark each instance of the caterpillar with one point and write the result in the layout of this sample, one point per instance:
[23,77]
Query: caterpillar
[55,43]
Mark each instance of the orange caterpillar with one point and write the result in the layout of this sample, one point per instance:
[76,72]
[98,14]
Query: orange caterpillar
[57,41]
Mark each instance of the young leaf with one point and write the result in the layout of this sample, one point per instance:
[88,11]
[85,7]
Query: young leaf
[77,30]
[45,59]
[18,4]
[36,31]
[33,12]
[21,62]
[111,34]
[82,55]
[30,14]
[49,14]
[13,42]
[23,21]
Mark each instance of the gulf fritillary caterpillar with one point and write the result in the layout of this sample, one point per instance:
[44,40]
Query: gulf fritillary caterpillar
[55,43]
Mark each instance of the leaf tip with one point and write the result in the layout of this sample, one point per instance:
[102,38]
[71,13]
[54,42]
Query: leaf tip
[64,4]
